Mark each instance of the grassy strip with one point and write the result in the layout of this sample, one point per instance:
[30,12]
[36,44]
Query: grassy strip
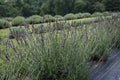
[4,33]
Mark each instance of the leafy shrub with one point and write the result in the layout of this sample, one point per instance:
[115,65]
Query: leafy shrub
[34,19]
[118,13]
[116,34]
[101,48]
[59,25]
[97,14]
[4,24]
[9,18]
[70,16]
[17,33]
[114,14]
[59,17]
[18,21]
[85,15]
[101,52]
[79,15]
[106,13]
[48,18]
[41,29]
[107,38]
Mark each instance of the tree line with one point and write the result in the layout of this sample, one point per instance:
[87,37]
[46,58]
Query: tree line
[12,8]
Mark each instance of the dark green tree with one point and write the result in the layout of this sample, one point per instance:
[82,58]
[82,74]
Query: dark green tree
[12,8]
[112,5]
[99,7]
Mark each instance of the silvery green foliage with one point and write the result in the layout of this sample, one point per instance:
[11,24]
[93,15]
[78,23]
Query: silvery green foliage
[70,16]
[59,53]
[19,20]
[4,24]
[35,19]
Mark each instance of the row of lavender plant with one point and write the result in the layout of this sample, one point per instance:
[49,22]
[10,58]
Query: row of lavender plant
[58,25]
[58,54]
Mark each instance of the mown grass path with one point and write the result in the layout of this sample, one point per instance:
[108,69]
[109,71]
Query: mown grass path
[109,70]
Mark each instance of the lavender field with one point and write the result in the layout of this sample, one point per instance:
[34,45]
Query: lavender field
[59,50]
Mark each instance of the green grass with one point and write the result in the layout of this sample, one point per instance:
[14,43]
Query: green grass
[83,19]
[4,33]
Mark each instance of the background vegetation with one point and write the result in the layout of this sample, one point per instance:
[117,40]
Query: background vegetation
[12,8]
